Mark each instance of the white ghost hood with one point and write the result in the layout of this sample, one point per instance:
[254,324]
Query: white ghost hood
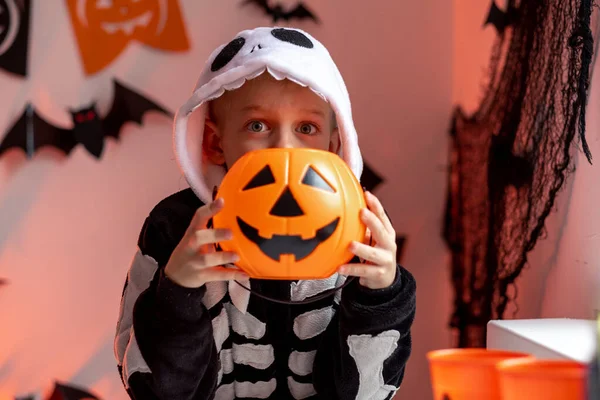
[282,52]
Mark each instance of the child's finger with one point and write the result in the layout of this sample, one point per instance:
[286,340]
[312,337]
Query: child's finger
[215,274]
[203,237]
[203,261]
[203,214]
[375,205]
[378,230]
[372,272]
[367,236]
[375,255]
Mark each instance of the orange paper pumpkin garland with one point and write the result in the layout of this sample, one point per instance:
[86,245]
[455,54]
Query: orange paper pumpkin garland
[293,213]
[104,28]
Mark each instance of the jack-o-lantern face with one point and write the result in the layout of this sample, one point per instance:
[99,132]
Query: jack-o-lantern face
[293,213]
[124,16]
[105,27]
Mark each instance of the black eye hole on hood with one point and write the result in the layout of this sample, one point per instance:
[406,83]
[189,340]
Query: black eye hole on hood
[227,54]
[262,178]
[293,37]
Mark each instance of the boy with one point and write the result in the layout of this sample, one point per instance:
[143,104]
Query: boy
[186,330]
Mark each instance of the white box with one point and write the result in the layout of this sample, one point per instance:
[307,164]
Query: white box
[559,338]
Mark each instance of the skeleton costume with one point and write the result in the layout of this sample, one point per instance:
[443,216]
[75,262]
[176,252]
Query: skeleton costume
[220,342]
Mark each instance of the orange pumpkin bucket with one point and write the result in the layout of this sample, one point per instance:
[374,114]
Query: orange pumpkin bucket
[467,374]
[531,379]
[293,213]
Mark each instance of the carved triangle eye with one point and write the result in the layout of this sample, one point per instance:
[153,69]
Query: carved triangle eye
[314,179]
[262,178]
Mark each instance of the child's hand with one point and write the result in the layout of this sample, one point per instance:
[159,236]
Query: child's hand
[195,261]
[379,271]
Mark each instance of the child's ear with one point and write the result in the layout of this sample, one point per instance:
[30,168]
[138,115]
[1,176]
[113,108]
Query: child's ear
[334,141]
[211,143]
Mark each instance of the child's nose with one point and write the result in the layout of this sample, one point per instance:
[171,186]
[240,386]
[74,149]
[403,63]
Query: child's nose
[284,139]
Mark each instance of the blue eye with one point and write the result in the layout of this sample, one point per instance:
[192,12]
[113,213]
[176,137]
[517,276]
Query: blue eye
[307,129]
[256,126]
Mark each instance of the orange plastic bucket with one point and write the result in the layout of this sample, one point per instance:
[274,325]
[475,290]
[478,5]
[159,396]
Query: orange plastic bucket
[467,374]
[542,379]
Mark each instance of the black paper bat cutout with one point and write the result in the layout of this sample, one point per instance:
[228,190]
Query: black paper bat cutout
[400,245]
[370,179]
[509,169]
[66,392]
[277,12]
[499,18]
[14,35]
[31,132]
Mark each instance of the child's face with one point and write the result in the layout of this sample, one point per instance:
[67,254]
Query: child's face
[266,113]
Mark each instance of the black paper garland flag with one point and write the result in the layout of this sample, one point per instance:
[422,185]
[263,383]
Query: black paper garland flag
[31,132]
[14,35]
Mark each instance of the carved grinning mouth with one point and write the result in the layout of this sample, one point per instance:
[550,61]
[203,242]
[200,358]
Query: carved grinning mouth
[287,244]
[128,26]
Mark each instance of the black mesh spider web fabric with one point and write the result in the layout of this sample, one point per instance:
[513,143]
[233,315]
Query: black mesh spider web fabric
[510,158]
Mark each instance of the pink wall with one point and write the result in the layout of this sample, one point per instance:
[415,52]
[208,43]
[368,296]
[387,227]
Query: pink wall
[573,282]
[69,226]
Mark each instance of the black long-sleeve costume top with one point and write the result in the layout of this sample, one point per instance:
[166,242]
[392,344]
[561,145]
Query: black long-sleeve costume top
[175,343]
